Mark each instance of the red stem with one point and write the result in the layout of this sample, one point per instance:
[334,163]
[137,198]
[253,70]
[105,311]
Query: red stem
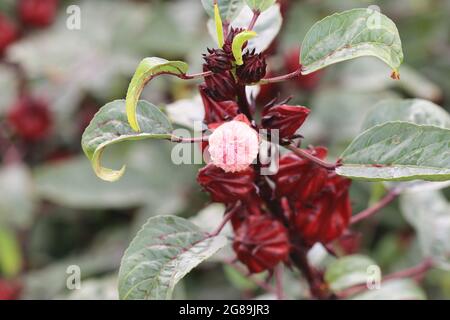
[188,140]
[196,75]
[279,282]
[303,154]
[387,199]
[255,17]
[282,78]
[225,220]
[413,272]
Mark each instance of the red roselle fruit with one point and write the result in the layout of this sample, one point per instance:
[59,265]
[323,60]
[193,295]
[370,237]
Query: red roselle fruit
[37,13]
[326,215]
[298,178]
[261,242]
[8,33]
[226,187]
[306,82]
[285,118]
[30,118]
[217,111]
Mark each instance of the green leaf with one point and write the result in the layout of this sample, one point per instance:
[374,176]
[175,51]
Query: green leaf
[348,271]
[429,213]
[10,254]
[416,111]
[229,9]
[260,5]
[110,126]
[400,289]
[351,34]
[161,254]
[145,72]
[399,151]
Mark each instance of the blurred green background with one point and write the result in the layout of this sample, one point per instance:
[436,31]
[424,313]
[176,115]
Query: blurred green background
[55,213]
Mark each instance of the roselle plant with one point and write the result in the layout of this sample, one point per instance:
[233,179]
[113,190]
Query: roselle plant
[277,217]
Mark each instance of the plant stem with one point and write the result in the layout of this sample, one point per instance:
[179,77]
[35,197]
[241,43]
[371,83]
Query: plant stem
[317,286]
[225,220]
[196,75]
[178,139]
[303,154]
[413,272]
[243,102]
[387,199]
[255,17]
[279,282]
[263,285]
[282,78]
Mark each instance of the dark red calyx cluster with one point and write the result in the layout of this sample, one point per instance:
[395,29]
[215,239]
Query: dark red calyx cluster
[319,199]
[299,178]
[8,33]
[285,118]
[217,60]
[217,111]
[37,13]
[226,187]
[326,215]
[30,118]
[221,86]
[253,69]
[261,242]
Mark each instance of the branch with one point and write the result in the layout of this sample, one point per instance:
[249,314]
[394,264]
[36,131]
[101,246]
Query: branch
[196,75]
[282,78]
[317,287]
[388,198]
[263,285]
[413,272]
[225,220]
[303,154]
[279,282]
[255,17]
[178,139]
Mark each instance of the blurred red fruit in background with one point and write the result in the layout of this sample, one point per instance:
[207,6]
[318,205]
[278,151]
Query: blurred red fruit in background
[37,13]
[30,118]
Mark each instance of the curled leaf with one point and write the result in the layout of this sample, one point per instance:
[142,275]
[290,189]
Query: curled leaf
[145,72]
[110,126]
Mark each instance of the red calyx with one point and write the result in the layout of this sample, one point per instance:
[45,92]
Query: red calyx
[252,206]
[8,33]
[217,60]
[220,86]
[326,215]
[261,242]
[299,178]
[37,13]
[226,187]
[287,119]
[217,111]
[30,118]
[253,69]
